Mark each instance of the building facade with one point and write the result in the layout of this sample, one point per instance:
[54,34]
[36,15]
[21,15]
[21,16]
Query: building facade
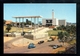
[69,24]
[49,22]
[53,21]
[62,22]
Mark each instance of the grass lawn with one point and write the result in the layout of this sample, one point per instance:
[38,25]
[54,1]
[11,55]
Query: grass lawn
[13,29]
[72,42]
[53,32]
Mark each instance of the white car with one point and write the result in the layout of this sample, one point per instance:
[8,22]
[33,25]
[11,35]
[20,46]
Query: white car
[55,46]
[49,40]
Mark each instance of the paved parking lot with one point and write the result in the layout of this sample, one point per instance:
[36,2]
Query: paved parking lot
[42,48]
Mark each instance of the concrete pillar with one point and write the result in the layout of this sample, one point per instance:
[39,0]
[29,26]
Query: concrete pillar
[31,24]
[34,28]
[16,24]
[34,25]
[37,23]
[19,24]
[22,24]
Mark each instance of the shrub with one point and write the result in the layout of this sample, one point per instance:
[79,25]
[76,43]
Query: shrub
[5,31]
[54,29]
[60,52]
[8,27]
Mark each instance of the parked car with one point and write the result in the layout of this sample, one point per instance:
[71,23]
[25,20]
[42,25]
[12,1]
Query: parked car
[49,40]
[59,40]
[52,38]
[22,33]
[59,45]
[40,42]
[31,45]
[73,49]
[56,46]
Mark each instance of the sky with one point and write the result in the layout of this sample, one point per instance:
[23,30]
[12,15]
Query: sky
[61,10]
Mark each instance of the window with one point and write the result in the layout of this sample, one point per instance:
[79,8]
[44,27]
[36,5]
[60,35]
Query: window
[48,21]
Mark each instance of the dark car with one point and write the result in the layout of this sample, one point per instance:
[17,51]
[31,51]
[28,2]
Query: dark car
[31,45]
[73,49]
[59,45]
[40,42]
[22,34]
[60,40]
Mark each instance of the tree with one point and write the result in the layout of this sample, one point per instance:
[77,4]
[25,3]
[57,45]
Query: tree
[4,21]
[63,36]
[66,36]
[54,29]
[12,23]
[60,36]
[29,22]
[58,28]
[8,28]
[71,30]
[63,27]
[40,23]
[67,28]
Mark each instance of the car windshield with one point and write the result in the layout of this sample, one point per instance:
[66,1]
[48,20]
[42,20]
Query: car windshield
[31,44]
[55,45]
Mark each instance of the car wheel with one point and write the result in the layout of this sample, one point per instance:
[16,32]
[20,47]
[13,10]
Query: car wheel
[28,47]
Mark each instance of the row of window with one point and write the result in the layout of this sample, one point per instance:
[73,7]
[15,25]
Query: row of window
[48,21]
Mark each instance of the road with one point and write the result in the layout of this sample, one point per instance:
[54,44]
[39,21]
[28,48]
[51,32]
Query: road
[40,48]
[8,44]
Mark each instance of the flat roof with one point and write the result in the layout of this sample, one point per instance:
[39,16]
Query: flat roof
[27,17]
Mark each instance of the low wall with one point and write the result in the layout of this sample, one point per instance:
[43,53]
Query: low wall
[29,37]
[17,34]
[9,35]
[37,36]
[40,36]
